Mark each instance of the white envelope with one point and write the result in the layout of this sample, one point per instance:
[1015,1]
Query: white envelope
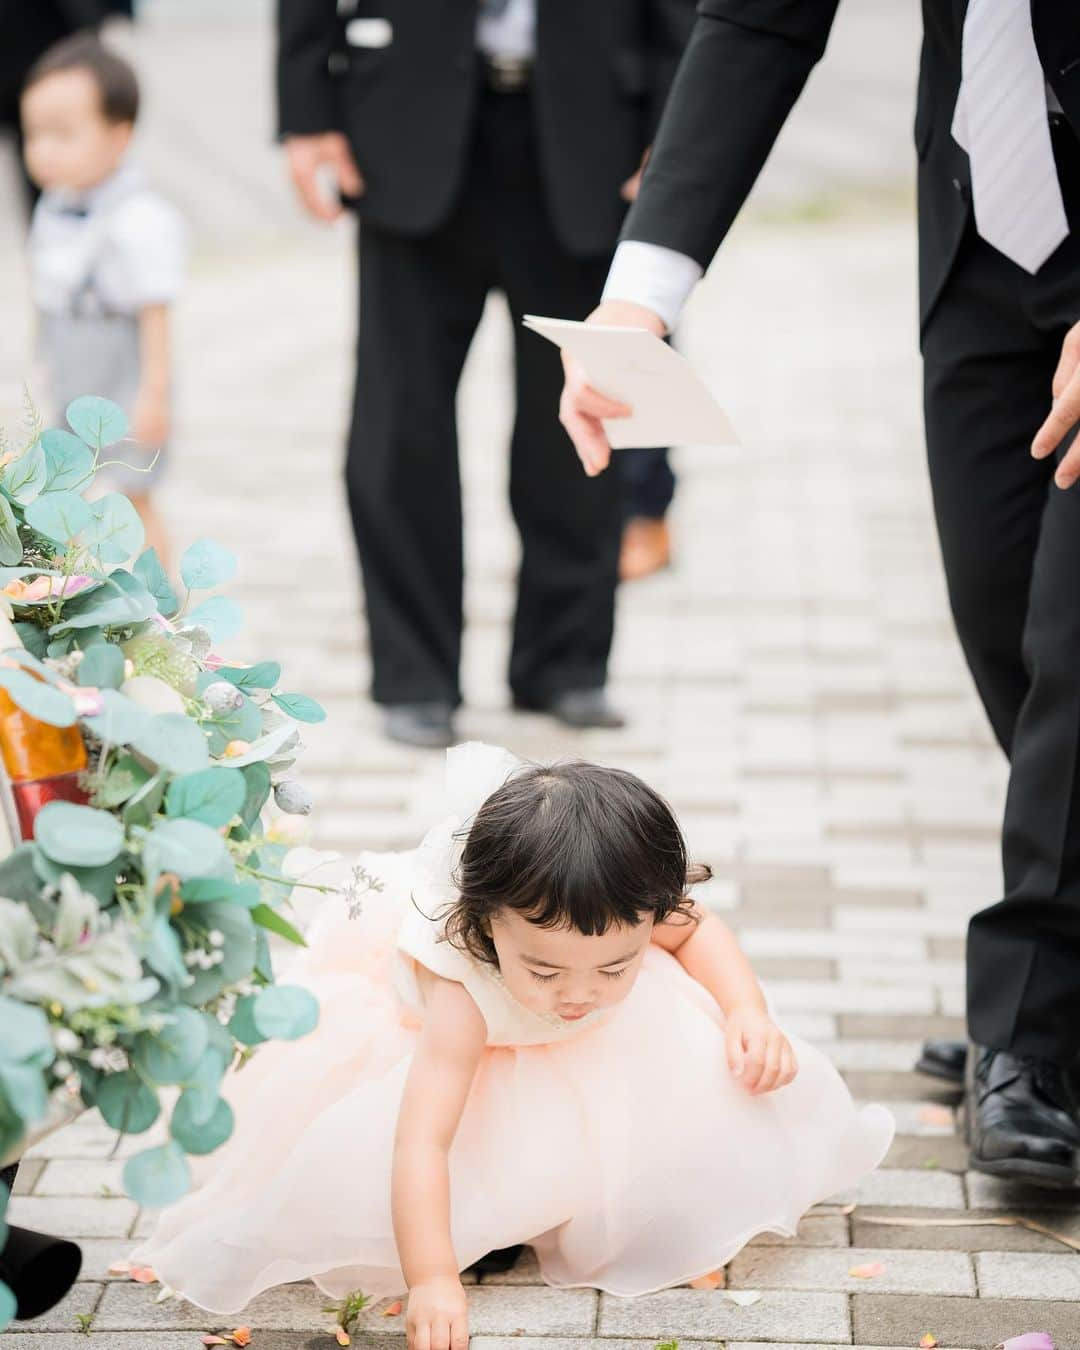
[671,406]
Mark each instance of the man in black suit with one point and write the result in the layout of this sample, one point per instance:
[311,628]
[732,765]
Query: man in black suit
[997,131]
[485,143]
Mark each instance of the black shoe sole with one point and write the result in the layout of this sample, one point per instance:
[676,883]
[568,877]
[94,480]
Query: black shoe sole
[1048,1175]
[497,1262]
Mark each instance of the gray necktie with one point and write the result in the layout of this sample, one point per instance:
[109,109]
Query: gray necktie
[1001,121]
[493,9]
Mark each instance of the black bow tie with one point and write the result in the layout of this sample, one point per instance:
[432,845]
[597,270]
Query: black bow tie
[80,212]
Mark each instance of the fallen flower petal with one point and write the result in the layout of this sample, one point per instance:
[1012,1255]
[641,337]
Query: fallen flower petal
[1030,1340]
[714,1280]
[342,1336]
[241,1336]
[393,1310]
[928,1341]
[120,1268]
[744,1297]
[936,1115]
[143,1275]
[214,1340]
[868,1271]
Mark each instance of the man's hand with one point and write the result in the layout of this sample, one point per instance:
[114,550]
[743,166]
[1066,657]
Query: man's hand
[581,408]
[1065,412]
[629,190]
[437,1317]
[758,1051]
[308,156]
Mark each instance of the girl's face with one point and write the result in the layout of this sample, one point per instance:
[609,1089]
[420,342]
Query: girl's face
[555,970]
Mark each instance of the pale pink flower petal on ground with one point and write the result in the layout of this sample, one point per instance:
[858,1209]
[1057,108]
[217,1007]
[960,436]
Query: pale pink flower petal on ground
[1030,1340]
[143,1275]
[744,1297]
[714,1280]
[868,1271]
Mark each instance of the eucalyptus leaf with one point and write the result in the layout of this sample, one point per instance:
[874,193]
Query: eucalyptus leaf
[39,700]
[221,617]
[257,780]
[127,1103]
[186,847]
[26,1032]
[68,463]
[242,1024]
[157,1176]
[97,421]
[116,532]
[162,952]
[19,880]
[174,742]
[121,723]
[102,667]
[172,1054]
[201,1136]
[238,724]
[100,882]
[201,1089]
[207,564]
[219,890]
[122,601]
[212,796]
[25,1084]
[150,572]
[144,805]
[300,707]
[18,935]
[25,477]
[59,516]
[237,951]
[262,675]
[264,748]
[32,638]
[11,548]
[285,1012]
[78,834]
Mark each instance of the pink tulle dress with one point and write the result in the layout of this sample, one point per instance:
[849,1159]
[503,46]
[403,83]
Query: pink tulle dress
[618,1146]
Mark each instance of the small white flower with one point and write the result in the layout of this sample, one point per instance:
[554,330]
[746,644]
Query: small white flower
[62,1067]
[66,1040]
[99,1058]
[216,937]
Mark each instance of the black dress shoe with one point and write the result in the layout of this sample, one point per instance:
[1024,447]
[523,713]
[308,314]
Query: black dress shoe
[1021,1118]
[943,1059]
[498,1262]
[428,725]
[579,708]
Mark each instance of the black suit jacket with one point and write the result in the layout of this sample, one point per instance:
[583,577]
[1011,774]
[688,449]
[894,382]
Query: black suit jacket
[28,28]
[745,65]
[603,68]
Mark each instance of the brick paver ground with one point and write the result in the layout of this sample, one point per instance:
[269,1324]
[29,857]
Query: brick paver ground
[794,686]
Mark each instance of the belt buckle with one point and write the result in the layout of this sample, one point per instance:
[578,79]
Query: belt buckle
[508,74]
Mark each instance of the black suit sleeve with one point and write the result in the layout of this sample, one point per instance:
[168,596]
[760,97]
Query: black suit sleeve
[744,67]
[307,32]
[669,25]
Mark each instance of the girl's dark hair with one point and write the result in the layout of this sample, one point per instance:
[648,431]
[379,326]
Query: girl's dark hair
[574,846]
[114,77]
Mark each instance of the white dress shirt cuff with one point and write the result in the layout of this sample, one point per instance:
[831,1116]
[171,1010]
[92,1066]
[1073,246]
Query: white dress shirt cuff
[659,278]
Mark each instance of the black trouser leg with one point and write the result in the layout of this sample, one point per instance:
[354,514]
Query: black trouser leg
[569,524]
[1011,547]
[648,482]
[420,303]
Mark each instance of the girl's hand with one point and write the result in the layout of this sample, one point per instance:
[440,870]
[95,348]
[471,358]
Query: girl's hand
[438,1315]
[758,1051]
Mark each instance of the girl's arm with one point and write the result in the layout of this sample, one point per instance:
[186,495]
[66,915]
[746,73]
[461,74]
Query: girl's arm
[758,1051]
[438,1085]
[151,414]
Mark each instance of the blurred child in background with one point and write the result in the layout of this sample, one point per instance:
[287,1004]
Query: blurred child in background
[107,257]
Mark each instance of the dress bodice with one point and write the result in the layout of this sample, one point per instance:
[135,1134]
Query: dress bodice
[422,941]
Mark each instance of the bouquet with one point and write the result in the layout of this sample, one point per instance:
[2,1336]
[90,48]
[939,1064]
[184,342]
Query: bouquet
[134,918]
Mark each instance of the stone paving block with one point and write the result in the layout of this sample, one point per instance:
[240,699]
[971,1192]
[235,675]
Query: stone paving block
[901,1186]
[973,1237]
[80,1177]
[26,1177]
[814,1230]
[950,1154]
[902,1319]
[985,1192]
[793,968]
[677,1314]
[852,996]
[1029,1275]
[153,1340]
[872,1056]
[75,1217]
[928,1272]
[83,1298]
[126,1306]
[884,1087]
[895,1027]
